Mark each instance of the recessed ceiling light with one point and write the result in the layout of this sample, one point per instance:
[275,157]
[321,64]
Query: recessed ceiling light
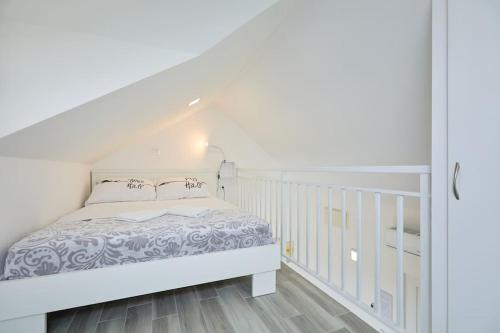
[193,102]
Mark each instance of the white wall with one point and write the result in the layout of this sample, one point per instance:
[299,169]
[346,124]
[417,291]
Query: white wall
[341,82]
[180,146]
[35,193]
[95,129]
[69,69]
[59,55]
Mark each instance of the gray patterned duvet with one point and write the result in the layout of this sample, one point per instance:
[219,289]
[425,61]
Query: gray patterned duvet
[93,243]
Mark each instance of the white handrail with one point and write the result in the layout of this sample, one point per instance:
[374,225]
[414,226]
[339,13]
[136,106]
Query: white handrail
[348,188]
[287,223]
[392,169]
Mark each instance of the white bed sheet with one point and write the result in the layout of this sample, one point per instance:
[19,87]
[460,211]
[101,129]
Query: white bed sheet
[114,209]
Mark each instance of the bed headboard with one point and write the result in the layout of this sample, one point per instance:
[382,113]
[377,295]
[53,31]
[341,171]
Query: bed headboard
[208,176]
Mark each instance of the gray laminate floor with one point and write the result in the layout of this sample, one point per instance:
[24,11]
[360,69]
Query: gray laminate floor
[224,306]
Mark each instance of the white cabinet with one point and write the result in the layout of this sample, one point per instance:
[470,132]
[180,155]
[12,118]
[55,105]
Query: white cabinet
[471,73]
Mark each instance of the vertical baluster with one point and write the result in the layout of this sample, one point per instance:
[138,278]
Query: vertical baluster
[262,199]
[249,195]
[343,242]
[245,185]
[265,201]
[271,219]
[424,309]
[258,199]
[255,197]
[318,227]
[330,230]
[308,224]
[298,223]
[246,195]
[270,200]
[399,267]
[242,183]
[290,207]
[282,203]
[377,253]
[252,194]
[276,197]
[240,197]
[242,194]
[270,204]
[359,244]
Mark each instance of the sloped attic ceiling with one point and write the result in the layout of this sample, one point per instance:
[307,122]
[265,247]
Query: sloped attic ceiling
[341,83]
[94,129]
[59,54]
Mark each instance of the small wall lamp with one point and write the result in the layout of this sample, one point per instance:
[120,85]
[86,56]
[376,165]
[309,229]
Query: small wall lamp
[209,146]
[227,170]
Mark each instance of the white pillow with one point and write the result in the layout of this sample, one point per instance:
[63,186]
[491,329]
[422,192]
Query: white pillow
[122,189]
[181,188]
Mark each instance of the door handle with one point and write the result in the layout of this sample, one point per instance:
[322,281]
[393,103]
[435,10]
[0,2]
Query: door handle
[455,176]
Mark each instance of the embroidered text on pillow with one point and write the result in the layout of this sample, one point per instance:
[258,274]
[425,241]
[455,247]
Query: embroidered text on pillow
[122,189]
[181,188]
[193,183]
[135,183]
[190,183]
[132,183]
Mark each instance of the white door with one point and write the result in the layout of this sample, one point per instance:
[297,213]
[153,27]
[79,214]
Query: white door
[474,142]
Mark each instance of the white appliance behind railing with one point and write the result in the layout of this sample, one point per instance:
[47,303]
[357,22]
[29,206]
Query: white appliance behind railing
[293,201]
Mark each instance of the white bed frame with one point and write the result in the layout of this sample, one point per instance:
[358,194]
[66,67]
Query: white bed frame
[24,303]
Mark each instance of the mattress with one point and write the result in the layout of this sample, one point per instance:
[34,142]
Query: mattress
[92,237]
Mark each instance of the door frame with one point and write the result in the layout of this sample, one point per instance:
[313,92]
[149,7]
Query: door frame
[440,178]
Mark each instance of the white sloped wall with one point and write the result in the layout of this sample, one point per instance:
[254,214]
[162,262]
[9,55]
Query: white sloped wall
[341,82]
[93,130]
[179,146]
[57,55]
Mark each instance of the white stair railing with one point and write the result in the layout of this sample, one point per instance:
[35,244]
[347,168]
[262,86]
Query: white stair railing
[277,197]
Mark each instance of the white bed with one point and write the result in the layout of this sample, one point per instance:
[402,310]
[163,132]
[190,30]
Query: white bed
[24,302]
[122,233]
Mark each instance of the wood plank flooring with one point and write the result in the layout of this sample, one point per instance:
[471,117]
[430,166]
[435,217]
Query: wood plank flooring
[224,306]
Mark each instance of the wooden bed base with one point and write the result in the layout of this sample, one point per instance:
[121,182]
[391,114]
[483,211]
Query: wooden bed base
[24,303]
